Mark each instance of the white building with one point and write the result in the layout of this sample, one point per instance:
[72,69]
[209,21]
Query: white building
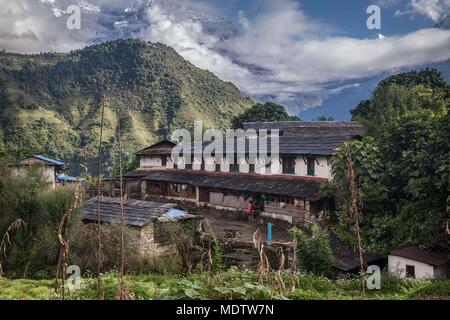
[413,262]
[51,168]
[287,186]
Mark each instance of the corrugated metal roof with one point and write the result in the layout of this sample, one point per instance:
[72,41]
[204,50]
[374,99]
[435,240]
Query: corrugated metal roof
[63,177]
[55,162]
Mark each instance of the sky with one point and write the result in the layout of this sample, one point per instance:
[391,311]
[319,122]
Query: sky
[314,57]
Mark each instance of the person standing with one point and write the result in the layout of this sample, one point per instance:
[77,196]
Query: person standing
[250,210]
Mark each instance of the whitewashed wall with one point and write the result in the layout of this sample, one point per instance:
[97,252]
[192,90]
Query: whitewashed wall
[398,265]
[48,171]
[150,161]
[322,166]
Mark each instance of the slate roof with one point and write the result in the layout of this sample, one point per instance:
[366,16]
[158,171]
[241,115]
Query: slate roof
[163,147]
[292,186]
[349,127]
[298,138]
[434,258]
[136,174]
[346,258]
[136,212]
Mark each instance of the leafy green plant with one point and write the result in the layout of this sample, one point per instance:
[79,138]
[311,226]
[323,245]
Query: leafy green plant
[314,254]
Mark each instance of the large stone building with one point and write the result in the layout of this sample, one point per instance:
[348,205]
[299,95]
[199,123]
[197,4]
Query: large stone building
[287,188]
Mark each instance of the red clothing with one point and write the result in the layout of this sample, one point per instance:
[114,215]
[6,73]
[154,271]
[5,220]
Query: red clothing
[250,209]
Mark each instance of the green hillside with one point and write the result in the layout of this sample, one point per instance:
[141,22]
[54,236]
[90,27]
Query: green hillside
[51,102]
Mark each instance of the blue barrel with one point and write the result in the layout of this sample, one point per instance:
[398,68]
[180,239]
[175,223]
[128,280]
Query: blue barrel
[269,232]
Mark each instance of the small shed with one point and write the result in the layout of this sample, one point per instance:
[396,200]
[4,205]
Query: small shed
[417,263]
[145,220]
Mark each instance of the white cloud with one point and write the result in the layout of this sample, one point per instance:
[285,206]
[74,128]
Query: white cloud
[433,9]
[243,21]
[303,55]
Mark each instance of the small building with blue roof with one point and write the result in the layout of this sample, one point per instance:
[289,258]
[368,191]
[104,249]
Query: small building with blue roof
[54,170]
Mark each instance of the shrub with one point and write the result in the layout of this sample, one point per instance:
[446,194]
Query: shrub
[314,254]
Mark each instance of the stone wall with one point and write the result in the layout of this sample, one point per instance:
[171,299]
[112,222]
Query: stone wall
[145,238]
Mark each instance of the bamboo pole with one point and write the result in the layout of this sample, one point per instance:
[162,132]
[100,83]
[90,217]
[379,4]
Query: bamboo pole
[122,216]
[99,169]
[354,212]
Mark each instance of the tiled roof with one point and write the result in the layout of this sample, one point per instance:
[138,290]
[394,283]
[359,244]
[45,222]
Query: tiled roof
[292,186]
[159,148]
[299,138]
[434,258]
[311,126]
[136,212]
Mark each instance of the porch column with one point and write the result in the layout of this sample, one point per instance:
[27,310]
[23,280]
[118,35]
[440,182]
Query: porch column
[307,210]
[143,189]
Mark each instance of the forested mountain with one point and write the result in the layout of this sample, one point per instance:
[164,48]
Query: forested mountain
[51,103]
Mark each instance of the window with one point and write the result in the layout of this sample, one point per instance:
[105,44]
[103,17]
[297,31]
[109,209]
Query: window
[251,168]
[217,167]
[175,165]
[288,165]
[410,271]
[310,166]
[163,161]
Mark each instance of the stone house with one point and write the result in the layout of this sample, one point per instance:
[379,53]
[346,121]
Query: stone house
[147,221]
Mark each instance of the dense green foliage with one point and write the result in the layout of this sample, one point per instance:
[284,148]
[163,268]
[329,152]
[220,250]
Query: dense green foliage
[51,103]
[314,254]
[428,78]
[324,118]
[232,284]
[262,113]
[33,248]
[402,164]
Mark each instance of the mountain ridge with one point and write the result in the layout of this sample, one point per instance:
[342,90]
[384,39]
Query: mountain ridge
[52,101]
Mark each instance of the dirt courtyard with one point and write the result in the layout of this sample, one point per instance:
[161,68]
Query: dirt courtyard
[221,223]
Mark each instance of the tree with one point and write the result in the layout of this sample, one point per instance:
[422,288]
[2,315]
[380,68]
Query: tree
[405,190]
[263,113]
[428,77]
[324,118]
[34,249]
[314,254]
[416,150]
[388,91]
